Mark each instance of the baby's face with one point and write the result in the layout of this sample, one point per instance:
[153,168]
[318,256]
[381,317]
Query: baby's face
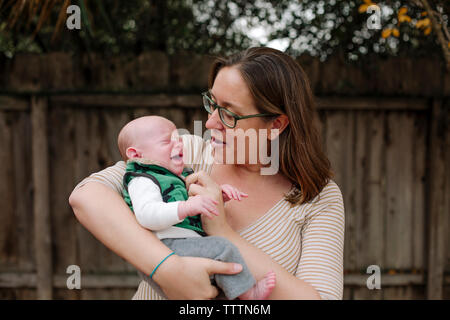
[164,146]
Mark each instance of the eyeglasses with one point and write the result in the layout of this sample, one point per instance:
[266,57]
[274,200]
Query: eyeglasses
[227,117]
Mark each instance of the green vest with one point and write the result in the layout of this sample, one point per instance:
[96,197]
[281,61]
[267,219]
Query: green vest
[173,188]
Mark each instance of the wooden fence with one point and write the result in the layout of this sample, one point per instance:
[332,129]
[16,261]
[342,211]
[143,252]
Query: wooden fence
[389,148]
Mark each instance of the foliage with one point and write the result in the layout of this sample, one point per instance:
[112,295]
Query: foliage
[316,27]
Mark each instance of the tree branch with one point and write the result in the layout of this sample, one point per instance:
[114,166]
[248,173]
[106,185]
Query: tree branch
[439,33]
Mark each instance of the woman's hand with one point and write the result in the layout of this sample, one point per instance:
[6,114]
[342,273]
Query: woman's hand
[194,273]
[200,183]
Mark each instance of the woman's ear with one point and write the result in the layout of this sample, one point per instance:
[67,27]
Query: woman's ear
[278,126]
[132,153]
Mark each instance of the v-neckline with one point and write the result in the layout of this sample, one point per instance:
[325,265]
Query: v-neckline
[260,218]
[267,213]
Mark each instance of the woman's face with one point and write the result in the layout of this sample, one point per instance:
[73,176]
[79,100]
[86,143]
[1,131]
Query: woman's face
[240,144]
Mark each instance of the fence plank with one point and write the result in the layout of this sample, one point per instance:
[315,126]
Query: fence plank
[369,195]
[419,174]
[23,186]
[340,150]
[437,198]
[41,210]
[399,191]
[62,156]
[447,191]
[8,239]
[88,143]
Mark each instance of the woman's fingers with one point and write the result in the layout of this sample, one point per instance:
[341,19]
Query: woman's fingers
[194,272]
[213,293]
[223,267]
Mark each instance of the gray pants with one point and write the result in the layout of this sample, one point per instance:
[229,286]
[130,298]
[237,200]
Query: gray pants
[216,248]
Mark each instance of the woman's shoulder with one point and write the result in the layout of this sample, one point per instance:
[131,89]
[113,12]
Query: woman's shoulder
[330,194]
[111,176]
[329,198]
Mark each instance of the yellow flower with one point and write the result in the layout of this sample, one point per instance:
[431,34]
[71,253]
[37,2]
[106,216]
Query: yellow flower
[363,8]
[423,23]
[402,16]
[404,19]
[386,33]
[427,31]
[395,32]
[402,11]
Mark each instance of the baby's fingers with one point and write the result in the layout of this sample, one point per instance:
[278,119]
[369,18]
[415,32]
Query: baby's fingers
[210,201]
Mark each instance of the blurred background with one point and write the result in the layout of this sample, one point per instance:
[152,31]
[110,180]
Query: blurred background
[71,77]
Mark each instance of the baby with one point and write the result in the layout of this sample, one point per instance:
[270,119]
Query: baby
[155,190]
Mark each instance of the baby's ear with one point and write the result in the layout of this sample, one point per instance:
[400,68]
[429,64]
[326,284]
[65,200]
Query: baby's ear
[132,153]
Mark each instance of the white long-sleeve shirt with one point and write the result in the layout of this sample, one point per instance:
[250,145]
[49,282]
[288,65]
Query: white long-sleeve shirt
[153,213]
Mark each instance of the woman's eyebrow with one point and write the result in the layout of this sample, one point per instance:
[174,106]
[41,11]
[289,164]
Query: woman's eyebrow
[225,102]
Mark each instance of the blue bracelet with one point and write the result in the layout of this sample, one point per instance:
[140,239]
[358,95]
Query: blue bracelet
[151,275]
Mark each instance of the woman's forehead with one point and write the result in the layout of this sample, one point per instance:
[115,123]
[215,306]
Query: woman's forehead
[230,88]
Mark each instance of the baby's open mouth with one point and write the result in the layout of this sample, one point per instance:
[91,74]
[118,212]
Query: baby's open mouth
[177,157]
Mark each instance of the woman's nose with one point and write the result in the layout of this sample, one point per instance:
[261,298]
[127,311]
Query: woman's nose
[214,121]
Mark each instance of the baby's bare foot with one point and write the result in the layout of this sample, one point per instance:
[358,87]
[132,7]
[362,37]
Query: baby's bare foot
[262,289]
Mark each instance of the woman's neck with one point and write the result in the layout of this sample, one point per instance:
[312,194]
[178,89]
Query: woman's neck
[251,173]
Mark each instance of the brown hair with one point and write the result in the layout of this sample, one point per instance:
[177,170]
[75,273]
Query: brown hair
[279,85]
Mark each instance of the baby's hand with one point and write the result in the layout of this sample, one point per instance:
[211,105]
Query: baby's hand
[198,205]
[229,192]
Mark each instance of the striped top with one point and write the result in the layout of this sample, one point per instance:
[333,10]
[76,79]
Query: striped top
[307,239]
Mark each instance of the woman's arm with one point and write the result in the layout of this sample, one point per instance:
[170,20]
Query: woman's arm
[103,212]
[287,286]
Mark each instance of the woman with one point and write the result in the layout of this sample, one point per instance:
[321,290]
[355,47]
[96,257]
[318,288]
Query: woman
[292,221]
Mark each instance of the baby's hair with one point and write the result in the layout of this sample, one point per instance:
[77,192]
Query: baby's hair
[133,130]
